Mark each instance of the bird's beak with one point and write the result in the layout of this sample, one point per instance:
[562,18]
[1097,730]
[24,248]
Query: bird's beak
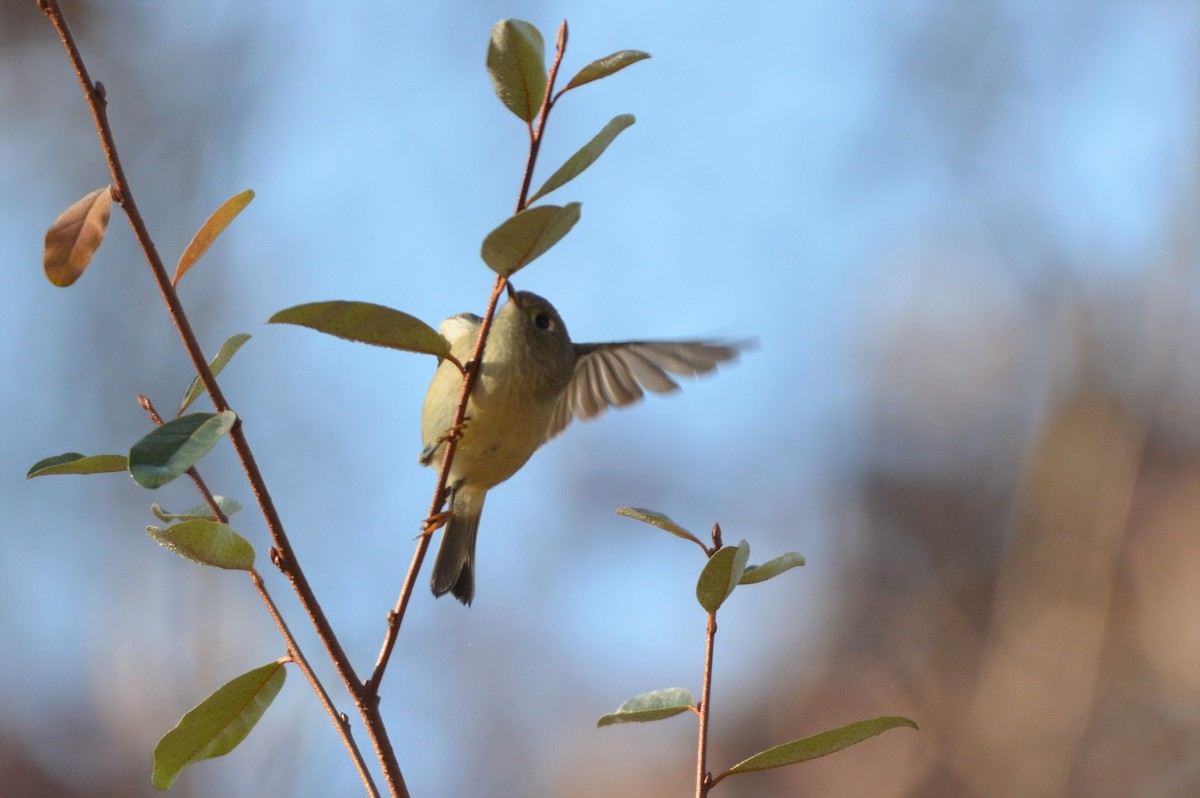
[512,294]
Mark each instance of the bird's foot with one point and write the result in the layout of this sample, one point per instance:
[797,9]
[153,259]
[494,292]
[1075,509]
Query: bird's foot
[435,522]
[454,433]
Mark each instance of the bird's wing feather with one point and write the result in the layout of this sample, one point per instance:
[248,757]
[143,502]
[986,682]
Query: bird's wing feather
[613,375]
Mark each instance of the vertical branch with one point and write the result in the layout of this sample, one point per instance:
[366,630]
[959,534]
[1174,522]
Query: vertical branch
[704,781]
[434,520]
[703,777]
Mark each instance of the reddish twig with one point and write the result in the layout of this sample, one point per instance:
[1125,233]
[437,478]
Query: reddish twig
[548,100]
[434,519]
[704,780]
[285,558]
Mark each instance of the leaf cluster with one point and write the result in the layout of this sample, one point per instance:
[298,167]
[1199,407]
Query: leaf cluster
[727,568]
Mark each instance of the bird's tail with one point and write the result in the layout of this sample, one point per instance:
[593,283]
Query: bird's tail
[454,567]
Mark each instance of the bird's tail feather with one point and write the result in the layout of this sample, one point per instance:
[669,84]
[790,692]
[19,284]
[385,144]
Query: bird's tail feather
[454,567]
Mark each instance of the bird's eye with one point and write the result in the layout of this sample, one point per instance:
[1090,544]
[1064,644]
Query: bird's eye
[541,321]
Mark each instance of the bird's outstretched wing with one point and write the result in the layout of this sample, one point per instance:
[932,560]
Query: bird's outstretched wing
[615,374]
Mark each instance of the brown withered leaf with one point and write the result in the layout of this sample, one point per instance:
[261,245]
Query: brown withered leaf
[75,236]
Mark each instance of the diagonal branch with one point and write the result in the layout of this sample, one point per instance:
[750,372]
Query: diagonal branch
[283,555]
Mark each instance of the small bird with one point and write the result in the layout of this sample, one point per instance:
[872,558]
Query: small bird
[531,383]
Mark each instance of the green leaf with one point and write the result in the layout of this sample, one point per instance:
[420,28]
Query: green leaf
[516,60]
[206,542]
[586,156]
[650,706]
[527,235]
[218,723]
[76,463]
[818,745]
[209,231]
[228,506]
[75,236]
[173,448]
[603,67]
[366,323]
[659,520]
[771,568]
[224,354]
[721,575]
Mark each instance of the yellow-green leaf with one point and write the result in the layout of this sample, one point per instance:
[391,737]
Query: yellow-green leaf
[366,323]
[216,365]
[817,745]
[527,235]
[206,542]
[201,511]
[659,520]
[76,463]
[218,723]
[771,568]
[516,61]
[75,236]
[586,155]
[650,706]
[209,231]
[603,67]
[721,575]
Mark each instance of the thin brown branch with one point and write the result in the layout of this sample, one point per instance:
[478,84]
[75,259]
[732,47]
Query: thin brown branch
[434,519]
[535,138]
[285,558]
[704,780]
[293,648]
[339,720]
